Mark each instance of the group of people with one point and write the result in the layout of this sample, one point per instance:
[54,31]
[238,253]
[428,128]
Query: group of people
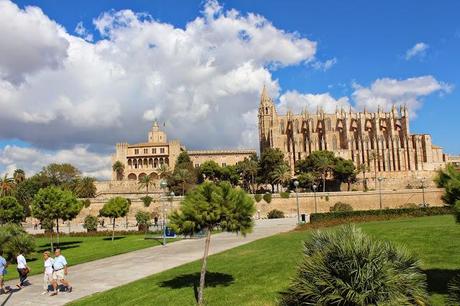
[55,272]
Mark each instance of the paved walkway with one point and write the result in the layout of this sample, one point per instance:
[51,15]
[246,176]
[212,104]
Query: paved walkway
[104,274]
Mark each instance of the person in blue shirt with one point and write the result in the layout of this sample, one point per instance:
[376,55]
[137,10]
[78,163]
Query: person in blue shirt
[3,265]
[60,272]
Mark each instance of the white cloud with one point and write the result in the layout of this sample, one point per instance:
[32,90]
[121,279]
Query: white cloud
[81,31]
[419,49]
[324,66]
[199,79]
[297,102]
[32,160]
[387,92]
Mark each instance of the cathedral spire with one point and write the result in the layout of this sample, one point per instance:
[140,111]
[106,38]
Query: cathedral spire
[264,97]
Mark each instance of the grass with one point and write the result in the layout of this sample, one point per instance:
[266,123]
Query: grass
[82,249]
[254,274]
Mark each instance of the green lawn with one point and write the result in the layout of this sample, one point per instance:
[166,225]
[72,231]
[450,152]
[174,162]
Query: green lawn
[253,274]
[78,250]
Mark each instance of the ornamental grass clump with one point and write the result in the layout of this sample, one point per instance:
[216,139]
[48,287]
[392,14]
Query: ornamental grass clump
[347,267]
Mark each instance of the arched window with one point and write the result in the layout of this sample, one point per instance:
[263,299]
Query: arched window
[132,177]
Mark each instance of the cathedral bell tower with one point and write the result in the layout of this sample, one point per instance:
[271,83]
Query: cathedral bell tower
[267,113]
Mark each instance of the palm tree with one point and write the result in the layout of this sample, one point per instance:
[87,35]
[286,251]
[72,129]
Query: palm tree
[281,175]
[145,182]
[118,167]
[182,176]
[6,185]
[163,171]
[19,176]
[347,267]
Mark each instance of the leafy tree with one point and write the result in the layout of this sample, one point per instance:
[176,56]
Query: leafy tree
[6,185]
[210,170]
[247,169]
[183,161]
[84,187]
[210,206]
[449,179]
[320,163]
[19,176]
[145,182]
[90,223]
[10,210]
[229,174]
[345,171]
[53,203]
[26,190]
[182,177]
[181,181]
[119,168]
[143,220]
[14,239]
[281,175]
[270,159]
[347,267]
[306,180]
[60,174]
[117,207]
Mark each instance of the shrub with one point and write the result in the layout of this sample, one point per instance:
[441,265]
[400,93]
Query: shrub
[267,197]
[147,200]
[86,203]
[275,214]
[341,206]
[453,287]
[90,223]
[409,205]
[143,220]
[347,267]
[14,239]
[258,197]
[285,195]
[397,212]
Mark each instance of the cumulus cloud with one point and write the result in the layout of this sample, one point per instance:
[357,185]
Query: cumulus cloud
[32,160]
[81,31]
[297,102]
[387,92]
[419,49]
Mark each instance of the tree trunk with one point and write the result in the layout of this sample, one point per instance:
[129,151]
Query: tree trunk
[113,229]
[51,241]
[57,231]
[203,267]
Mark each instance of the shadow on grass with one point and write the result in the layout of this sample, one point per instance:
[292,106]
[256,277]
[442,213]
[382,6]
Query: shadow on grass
[437,279]
[213,279]
[114,238]
[62,244]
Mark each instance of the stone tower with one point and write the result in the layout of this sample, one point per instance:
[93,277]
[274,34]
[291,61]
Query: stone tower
[267,112]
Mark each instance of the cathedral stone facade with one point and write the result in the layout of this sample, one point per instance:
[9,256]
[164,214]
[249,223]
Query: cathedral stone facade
[147,158]
[381,140]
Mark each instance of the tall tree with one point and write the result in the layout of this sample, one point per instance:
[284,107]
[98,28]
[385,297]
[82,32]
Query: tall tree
[84,187]
[117,207]
[61,174]
[119,168]
[176,179]
[146,182]
[345,171]
[319,162]
[210,170]
[19,176]
[269,161]
[210,206]
[10,210]
[281,175]
[228,173]
[164,171]
[53,203]
[182,176]
[247,169]
[6,185]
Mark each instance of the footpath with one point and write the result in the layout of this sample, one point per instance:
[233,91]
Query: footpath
[104,274]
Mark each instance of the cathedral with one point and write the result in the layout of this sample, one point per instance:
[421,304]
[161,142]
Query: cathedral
[380,140]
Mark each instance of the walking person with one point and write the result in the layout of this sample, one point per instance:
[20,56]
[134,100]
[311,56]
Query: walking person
[48,271]
[60,272]
[3,265]
[23,270]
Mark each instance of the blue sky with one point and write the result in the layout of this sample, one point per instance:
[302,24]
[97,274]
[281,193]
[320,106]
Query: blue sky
[364,41]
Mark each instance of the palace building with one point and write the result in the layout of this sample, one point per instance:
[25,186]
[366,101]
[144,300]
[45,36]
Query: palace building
[381,140]
[147,158]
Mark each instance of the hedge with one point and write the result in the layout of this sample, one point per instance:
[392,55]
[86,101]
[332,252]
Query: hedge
[410,212]
[284,194]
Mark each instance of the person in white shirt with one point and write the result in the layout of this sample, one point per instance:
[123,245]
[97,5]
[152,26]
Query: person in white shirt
[60,272]
[23,270]
[48,271]
[3,265]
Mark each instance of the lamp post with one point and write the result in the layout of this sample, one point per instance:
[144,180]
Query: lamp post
[423,192]
[314,194]
[380,179]
[163,185]
[296,184]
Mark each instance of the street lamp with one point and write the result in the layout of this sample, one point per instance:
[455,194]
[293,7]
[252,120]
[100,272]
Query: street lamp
[314,194]
[380,179]
[423,192]
[163,185]
[296,184]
